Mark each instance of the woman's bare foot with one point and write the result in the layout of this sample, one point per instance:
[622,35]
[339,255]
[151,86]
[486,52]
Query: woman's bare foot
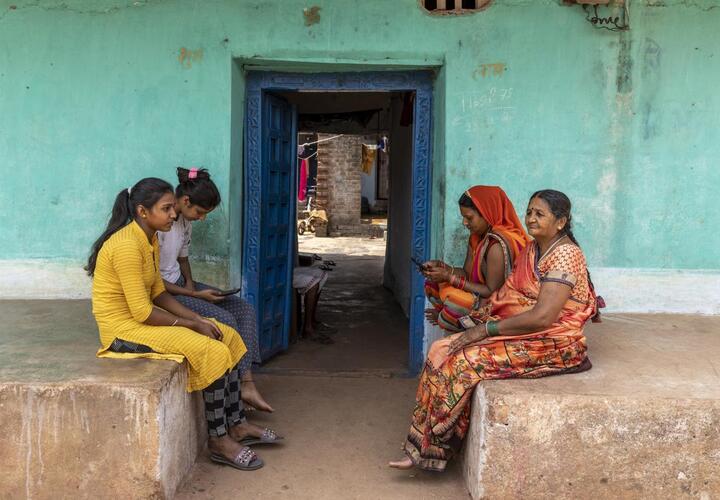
[224,446]
[251,396]
[403,464]
[244,430]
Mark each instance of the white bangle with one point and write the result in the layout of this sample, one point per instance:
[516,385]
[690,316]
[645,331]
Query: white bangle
[175,322]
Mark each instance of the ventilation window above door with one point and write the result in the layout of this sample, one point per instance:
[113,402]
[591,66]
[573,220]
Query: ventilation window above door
[454,6]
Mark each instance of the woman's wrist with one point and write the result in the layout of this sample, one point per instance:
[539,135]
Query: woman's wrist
[492,329]
[184,322]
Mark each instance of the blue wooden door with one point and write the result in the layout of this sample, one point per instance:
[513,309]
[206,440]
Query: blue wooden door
[277,219]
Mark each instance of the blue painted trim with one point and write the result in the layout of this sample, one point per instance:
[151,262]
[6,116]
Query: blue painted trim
[421,82]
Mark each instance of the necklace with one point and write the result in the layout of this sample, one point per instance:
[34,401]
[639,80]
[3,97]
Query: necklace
[552,245]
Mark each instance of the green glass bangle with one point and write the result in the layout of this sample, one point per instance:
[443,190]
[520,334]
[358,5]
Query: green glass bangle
[492,328]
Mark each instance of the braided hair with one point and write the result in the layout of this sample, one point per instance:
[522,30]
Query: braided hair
[560,206]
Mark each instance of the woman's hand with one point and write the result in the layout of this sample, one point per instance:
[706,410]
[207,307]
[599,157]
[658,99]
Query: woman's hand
[208,328]
[437,271]
[431,315]
[470,336]
[209,294]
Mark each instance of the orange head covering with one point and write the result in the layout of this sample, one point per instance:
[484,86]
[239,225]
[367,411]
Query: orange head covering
[497,209]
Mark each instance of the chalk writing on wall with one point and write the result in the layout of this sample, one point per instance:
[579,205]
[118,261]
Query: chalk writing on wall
[481,110]
[494,97]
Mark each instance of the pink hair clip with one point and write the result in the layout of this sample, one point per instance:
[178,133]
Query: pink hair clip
[193,173]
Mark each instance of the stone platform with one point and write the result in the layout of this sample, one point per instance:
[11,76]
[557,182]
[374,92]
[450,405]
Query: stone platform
[643,423]
[75,426]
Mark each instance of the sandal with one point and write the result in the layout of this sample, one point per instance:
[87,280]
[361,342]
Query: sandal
[325,267]
[330,263]
[246,459]
[316,257]
[325,328]
[268,436]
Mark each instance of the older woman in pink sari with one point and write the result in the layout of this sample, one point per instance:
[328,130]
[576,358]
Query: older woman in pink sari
[531,327]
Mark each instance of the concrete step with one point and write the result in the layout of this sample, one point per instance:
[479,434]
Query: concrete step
[75,426]
[643,423]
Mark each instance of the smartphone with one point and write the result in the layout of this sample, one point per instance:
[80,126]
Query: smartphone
[420,265]
[232,291]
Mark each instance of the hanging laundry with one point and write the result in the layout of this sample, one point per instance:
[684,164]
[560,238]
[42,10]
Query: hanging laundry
[383,144]
[369,152]
[302,179]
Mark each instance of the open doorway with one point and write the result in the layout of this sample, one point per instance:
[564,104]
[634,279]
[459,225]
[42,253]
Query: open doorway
[365,139]
[353,232]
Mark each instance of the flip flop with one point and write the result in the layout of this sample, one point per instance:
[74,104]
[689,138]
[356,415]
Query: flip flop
[330,263]
[268,436]
[316,256]
[325,267]
[246,459]
[325,328]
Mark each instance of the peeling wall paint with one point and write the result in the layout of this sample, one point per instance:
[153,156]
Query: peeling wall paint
[312,15]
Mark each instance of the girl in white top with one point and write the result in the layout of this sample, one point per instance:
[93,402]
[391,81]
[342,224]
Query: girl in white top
[196,196]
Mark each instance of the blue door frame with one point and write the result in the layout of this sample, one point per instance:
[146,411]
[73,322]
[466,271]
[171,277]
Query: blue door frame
[260,84]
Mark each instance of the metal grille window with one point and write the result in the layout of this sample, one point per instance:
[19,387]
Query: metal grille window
[454,6]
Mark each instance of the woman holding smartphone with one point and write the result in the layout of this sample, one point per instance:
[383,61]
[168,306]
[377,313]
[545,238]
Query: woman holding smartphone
[195,197]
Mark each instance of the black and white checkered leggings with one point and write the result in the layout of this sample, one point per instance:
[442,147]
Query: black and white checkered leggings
[223,405]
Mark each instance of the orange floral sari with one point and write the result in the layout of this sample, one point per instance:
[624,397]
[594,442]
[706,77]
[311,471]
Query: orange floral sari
[442,411]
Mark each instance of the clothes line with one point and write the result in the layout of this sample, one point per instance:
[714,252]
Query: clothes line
[322,140]
[307,157]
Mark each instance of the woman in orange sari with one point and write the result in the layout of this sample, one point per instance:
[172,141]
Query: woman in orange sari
[531,327]
[496,239]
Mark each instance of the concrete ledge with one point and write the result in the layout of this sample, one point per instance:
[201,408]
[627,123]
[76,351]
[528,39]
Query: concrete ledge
[644,423]
[75,426]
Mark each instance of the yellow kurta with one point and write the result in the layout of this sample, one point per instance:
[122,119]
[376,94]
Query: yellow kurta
[127,279]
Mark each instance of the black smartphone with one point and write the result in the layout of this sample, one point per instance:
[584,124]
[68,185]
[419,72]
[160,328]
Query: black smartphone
[420,265]
[232,291]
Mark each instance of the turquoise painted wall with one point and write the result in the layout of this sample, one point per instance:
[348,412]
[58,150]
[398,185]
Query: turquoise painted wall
[96,94]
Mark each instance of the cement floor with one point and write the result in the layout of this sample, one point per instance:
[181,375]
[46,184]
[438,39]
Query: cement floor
[55,341]
[339,432]
[373,331]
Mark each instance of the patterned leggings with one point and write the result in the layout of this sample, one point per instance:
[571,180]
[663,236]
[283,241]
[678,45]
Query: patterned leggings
[232,311]
[223,405]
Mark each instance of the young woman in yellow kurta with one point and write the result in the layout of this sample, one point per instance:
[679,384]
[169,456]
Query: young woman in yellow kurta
[136,318]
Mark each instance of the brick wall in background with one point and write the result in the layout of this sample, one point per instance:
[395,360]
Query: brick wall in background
[338,182]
